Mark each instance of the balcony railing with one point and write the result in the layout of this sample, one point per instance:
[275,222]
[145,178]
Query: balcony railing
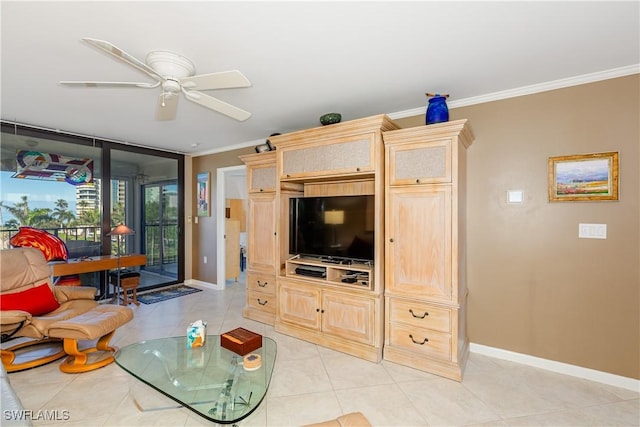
[86,241]
[78,239]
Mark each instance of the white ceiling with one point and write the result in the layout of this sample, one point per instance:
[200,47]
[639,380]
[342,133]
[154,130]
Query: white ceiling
[303,59]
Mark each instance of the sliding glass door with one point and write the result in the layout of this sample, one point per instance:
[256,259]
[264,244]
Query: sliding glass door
[160,227]
[145,194]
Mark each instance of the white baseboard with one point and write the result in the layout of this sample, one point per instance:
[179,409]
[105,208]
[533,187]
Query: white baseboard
[195,282]
[559,367]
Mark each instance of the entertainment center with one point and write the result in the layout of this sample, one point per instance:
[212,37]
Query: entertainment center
[356,240]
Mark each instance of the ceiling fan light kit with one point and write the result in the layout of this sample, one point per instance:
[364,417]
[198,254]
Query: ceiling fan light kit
[175,74]
[170,64]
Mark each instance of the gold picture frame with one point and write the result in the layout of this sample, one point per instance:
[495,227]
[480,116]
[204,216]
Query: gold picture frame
[583,177]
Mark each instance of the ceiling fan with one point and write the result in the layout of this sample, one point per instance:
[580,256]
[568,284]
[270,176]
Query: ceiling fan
[174,74]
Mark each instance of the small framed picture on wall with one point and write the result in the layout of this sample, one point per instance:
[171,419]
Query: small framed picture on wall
[583,177]
[203,196]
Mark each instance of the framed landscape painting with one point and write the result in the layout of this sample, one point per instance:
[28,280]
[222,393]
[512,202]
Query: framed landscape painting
[203,194]
[583,177]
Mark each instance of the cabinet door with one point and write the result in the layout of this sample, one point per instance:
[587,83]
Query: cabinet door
[299,305]
[347,156]
[423,163]
[261,236]
[348,316]
[262,178]
[419,242]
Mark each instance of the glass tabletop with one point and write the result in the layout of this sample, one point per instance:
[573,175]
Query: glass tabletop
[209,380]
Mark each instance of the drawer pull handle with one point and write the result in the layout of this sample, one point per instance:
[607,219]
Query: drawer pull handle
[261,285]
[418,342]
[262,303]
[417,181]
[426,313]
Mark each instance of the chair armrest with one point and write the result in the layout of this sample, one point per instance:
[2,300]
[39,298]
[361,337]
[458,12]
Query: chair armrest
[70,293]
[10,317]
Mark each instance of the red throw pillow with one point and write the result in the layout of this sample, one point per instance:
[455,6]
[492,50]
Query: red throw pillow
[37,301]
[53,248]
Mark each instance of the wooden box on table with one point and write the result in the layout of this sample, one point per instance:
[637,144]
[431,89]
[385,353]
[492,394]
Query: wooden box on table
[241,341]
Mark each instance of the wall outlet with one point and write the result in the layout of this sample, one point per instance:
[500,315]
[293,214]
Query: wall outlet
[205,260]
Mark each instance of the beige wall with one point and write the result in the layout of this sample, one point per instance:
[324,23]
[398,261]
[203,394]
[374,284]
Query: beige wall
[204,233]
[534,287]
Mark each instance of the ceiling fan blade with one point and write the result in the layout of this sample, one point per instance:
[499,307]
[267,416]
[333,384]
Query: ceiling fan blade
[123,56]
[110,84]
[222,80]
[217,105]
[167,106]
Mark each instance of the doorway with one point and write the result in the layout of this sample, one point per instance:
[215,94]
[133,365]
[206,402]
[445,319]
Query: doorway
[231,183]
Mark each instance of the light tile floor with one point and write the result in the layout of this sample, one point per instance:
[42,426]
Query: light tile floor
[312,384]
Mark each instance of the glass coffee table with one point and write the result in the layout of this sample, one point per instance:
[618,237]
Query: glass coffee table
[210,380]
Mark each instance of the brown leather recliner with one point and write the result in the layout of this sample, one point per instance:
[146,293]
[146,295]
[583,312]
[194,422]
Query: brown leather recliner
[75,315]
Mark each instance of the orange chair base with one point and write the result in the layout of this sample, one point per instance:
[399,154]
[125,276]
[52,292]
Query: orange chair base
[9,355]
[77,360]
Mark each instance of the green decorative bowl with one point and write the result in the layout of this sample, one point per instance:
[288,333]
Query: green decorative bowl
[330,118]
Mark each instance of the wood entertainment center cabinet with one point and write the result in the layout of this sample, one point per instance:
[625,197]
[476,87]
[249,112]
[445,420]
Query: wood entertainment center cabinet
[407,306]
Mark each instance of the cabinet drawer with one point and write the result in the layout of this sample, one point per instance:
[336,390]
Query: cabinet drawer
[421,340]
[350,156]
[425,163]
[420,315]
[261,301]
[264,283]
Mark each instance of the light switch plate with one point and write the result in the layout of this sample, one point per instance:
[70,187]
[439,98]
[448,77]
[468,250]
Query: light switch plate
[592,231]
[515,196]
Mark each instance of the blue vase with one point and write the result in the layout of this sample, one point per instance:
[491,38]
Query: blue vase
[437,111]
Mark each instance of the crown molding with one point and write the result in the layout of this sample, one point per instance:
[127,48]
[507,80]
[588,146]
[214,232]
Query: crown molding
[230,147]
[496,96]
[529,90]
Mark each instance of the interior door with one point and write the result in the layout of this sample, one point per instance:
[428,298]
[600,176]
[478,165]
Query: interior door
[232,249]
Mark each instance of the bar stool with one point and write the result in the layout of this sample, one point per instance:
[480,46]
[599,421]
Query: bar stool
[129,281]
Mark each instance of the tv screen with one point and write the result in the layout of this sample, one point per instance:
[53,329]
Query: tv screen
[336,226]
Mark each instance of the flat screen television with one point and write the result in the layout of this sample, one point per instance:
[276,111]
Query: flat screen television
[339,227]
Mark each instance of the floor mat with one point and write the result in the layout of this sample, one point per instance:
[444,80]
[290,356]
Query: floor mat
[165,294]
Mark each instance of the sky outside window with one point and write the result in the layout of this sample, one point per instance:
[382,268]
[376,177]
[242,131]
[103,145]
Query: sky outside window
[40,193]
